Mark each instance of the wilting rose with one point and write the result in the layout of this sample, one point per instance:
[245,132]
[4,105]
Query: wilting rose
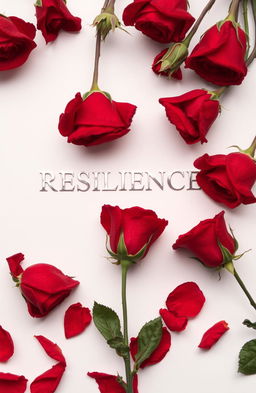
[205,241]
[162,20]
[192,113]
[131,231]
[227,179]
[43,286]
[53,16]
[219,57]
[16,41]
[96,119]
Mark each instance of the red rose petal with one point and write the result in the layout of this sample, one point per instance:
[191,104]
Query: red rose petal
[76,319]
[52,350]
[158,354]
[49,380]
[107,383]
[6,345]
[11,383]
[186,300]
[212,335]
[14,264]
[174,323]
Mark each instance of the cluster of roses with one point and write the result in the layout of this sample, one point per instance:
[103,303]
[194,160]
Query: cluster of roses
[131,233]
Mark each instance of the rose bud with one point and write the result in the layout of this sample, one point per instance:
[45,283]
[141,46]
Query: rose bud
[162,20]
[53,16]
[210,242]
[95,119]
[219,57]
[227,179]
[43,286]
[168,61]
[192,113]
[16,41]
[131,231]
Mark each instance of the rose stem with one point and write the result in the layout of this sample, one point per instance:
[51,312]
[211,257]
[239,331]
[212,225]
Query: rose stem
[125,266]
[253,52]
[198,22]
[97,56]
[246,26]
[233,9]
[240,282]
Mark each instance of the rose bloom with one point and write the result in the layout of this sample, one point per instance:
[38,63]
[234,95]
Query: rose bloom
[96,119]
[138,227]
[219,57]
[53,16]
[16,41]
[156,67]
[162,20]
[43,286]
[203,241]
[227,179]
[192,113]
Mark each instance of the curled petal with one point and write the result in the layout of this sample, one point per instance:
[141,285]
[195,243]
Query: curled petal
[52,350]
[6,345]
[14,264]
[174,323]
[11,383]
[107,383]
[212,335]
[76,319]
[49,380]
[186,300]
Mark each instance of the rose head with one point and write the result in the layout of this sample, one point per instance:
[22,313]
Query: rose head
[95,119]
[227,179]
[131,231]
[192,113]
[16,41]
[206,239]
[43,286]
[219,57]
[162,20]
[53,16]
[168,61]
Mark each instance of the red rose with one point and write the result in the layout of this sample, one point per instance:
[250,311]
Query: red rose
[204,241]
[156,67]
[131,231]
[43,286]
[192,114]
[95,119]
[220,55]
[53,16]
[16,41]
[162,20]
[227,179]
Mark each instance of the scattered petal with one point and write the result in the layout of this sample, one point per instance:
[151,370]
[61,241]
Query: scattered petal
[14,264]
[212,335]
[6,345]
[174,323]
[48,381]
[52,350]
[186,300]
[107,383]
[11,383]
[158,354]
[76,319]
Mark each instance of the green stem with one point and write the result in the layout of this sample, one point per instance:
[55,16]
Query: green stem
[96,63]
[253,52]
[233,9]
[251,150]
[198,22]
[125,266]
[246,26]
[240,282]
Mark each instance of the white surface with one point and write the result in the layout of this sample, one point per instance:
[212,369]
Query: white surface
[63,228]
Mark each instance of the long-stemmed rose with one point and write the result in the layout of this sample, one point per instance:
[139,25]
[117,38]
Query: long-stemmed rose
[131,232]
[213,246]
[95,118]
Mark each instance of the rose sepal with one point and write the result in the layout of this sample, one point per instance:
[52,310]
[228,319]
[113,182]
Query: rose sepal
[173,58]
[107,21]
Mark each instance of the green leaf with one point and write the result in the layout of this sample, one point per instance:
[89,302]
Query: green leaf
[106,321]
[148,340]
[249,324]
[118,344]
[247,358]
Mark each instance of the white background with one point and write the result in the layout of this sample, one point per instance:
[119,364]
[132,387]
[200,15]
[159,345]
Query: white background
[64,228]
